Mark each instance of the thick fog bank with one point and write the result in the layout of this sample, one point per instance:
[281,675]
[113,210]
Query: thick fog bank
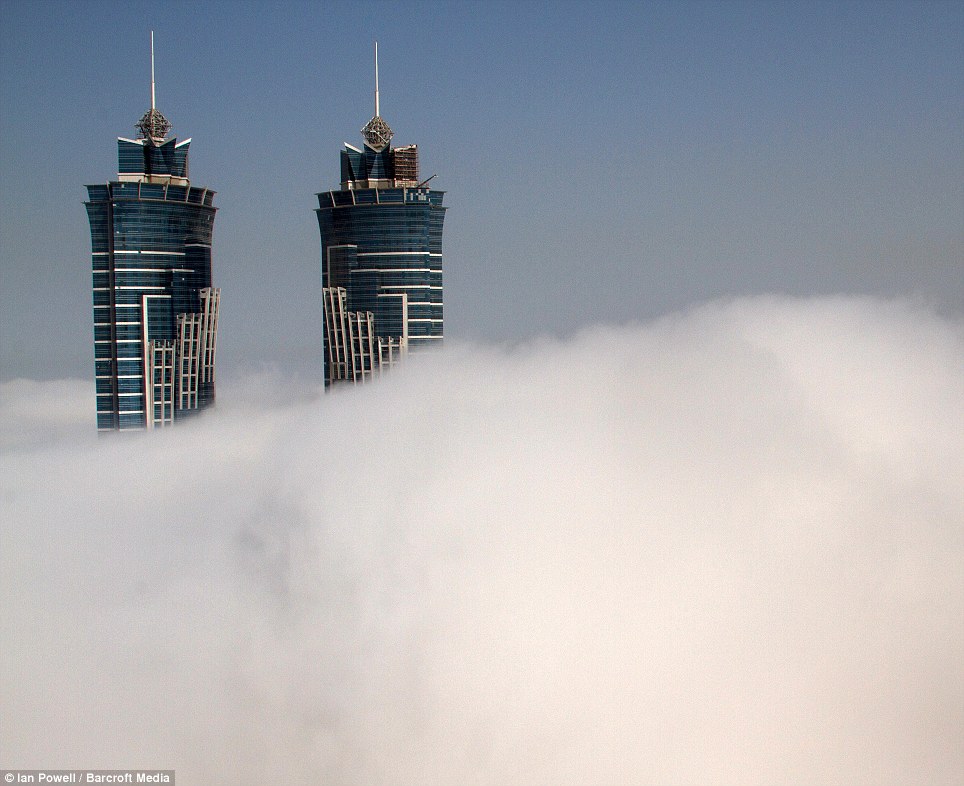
[722,548]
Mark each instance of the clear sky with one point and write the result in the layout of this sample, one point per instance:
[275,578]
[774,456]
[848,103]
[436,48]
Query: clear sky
[603,162]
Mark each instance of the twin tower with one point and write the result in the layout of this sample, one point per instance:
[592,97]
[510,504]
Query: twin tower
[155,305]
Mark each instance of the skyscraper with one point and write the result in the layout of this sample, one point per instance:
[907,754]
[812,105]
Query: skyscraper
[155,311]
[381,256]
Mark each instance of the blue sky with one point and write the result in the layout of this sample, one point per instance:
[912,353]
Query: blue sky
[603,162]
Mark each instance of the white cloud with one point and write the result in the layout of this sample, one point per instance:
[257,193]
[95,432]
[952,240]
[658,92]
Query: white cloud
[33,413]
[721,548]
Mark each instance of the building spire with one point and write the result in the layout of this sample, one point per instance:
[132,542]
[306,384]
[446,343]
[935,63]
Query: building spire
[152,70]
[377,132]
[153,125]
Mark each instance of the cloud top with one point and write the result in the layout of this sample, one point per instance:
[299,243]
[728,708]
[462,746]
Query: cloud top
[720,548]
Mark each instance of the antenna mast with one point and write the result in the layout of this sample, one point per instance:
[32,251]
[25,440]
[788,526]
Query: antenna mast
[153,125]
[376,132]
[152,69]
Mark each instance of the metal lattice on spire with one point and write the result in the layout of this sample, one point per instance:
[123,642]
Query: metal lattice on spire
[377,133]
[153,125]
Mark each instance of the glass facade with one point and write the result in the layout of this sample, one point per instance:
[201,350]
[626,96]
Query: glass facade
[155,310]
[381,247]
